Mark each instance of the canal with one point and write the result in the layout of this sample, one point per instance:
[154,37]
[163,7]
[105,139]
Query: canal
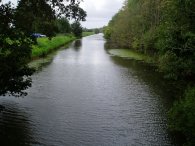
[85,97]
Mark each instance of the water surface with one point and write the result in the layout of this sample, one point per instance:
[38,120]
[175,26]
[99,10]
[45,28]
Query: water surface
[85,97]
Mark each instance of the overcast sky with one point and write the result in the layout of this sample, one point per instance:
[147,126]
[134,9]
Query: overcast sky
[99,12]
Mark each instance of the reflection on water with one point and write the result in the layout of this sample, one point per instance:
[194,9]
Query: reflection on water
[86,97]
[164,88]
[15,127]
[77,45]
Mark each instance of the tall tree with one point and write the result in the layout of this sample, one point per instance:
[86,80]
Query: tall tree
[37,14]
[63,25]
[41,15]
[76,29]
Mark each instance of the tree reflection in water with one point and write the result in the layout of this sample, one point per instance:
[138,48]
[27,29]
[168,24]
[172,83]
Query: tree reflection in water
[77,45]
[15,127]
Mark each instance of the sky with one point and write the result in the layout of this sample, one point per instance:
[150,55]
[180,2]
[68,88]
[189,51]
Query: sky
[99,12]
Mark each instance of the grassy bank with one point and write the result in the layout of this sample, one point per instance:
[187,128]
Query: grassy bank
[127,53]
[45,46]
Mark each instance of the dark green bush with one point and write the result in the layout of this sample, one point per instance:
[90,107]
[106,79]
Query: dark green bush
[176,67]
[77,29]
[182,117]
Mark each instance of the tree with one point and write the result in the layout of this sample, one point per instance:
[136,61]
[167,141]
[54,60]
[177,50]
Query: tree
[16,27]
[164,28]
[15,51]
[182,117]
[76,29]
[41,15]
[96,30]
[63,25]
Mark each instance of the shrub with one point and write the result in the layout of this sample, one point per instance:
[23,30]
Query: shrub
[107,32]
[176,67]
[182,117]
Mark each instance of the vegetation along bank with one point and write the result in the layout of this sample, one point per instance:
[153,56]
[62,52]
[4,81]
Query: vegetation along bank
[163,30]
[45,46]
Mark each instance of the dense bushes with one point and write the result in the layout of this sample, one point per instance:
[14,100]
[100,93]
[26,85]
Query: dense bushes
[107,32]
[175,67]
[164,28]
[182,117]
[63,25]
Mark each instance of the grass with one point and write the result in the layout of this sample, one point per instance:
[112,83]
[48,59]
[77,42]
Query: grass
[84,34]
[45,46]
[127,53]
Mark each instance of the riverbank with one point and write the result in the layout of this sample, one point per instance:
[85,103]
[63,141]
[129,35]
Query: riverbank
[46,46]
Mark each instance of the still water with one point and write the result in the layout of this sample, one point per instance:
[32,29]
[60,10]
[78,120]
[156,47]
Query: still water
[85,97]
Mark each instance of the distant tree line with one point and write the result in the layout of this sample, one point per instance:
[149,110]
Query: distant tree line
[95,30]
[164,29]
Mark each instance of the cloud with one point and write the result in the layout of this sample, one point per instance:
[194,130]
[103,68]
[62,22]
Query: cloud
[100,12]
[12,1]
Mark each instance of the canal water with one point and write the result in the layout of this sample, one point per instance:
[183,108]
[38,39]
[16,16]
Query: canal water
[85,97]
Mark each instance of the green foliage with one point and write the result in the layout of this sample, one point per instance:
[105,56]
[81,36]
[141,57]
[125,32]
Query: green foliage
[176,67]
[77,29]
[15,50]
[182,117]
[149,41]
[63,25]
[35,16]
[40,15]
[107,32]
[96,31]
[159,27]
[45,45]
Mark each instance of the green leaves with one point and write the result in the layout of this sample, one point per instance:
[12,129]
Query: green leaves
[158,27]
[182,117]
[63,25]
[15,54]
[76,29]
